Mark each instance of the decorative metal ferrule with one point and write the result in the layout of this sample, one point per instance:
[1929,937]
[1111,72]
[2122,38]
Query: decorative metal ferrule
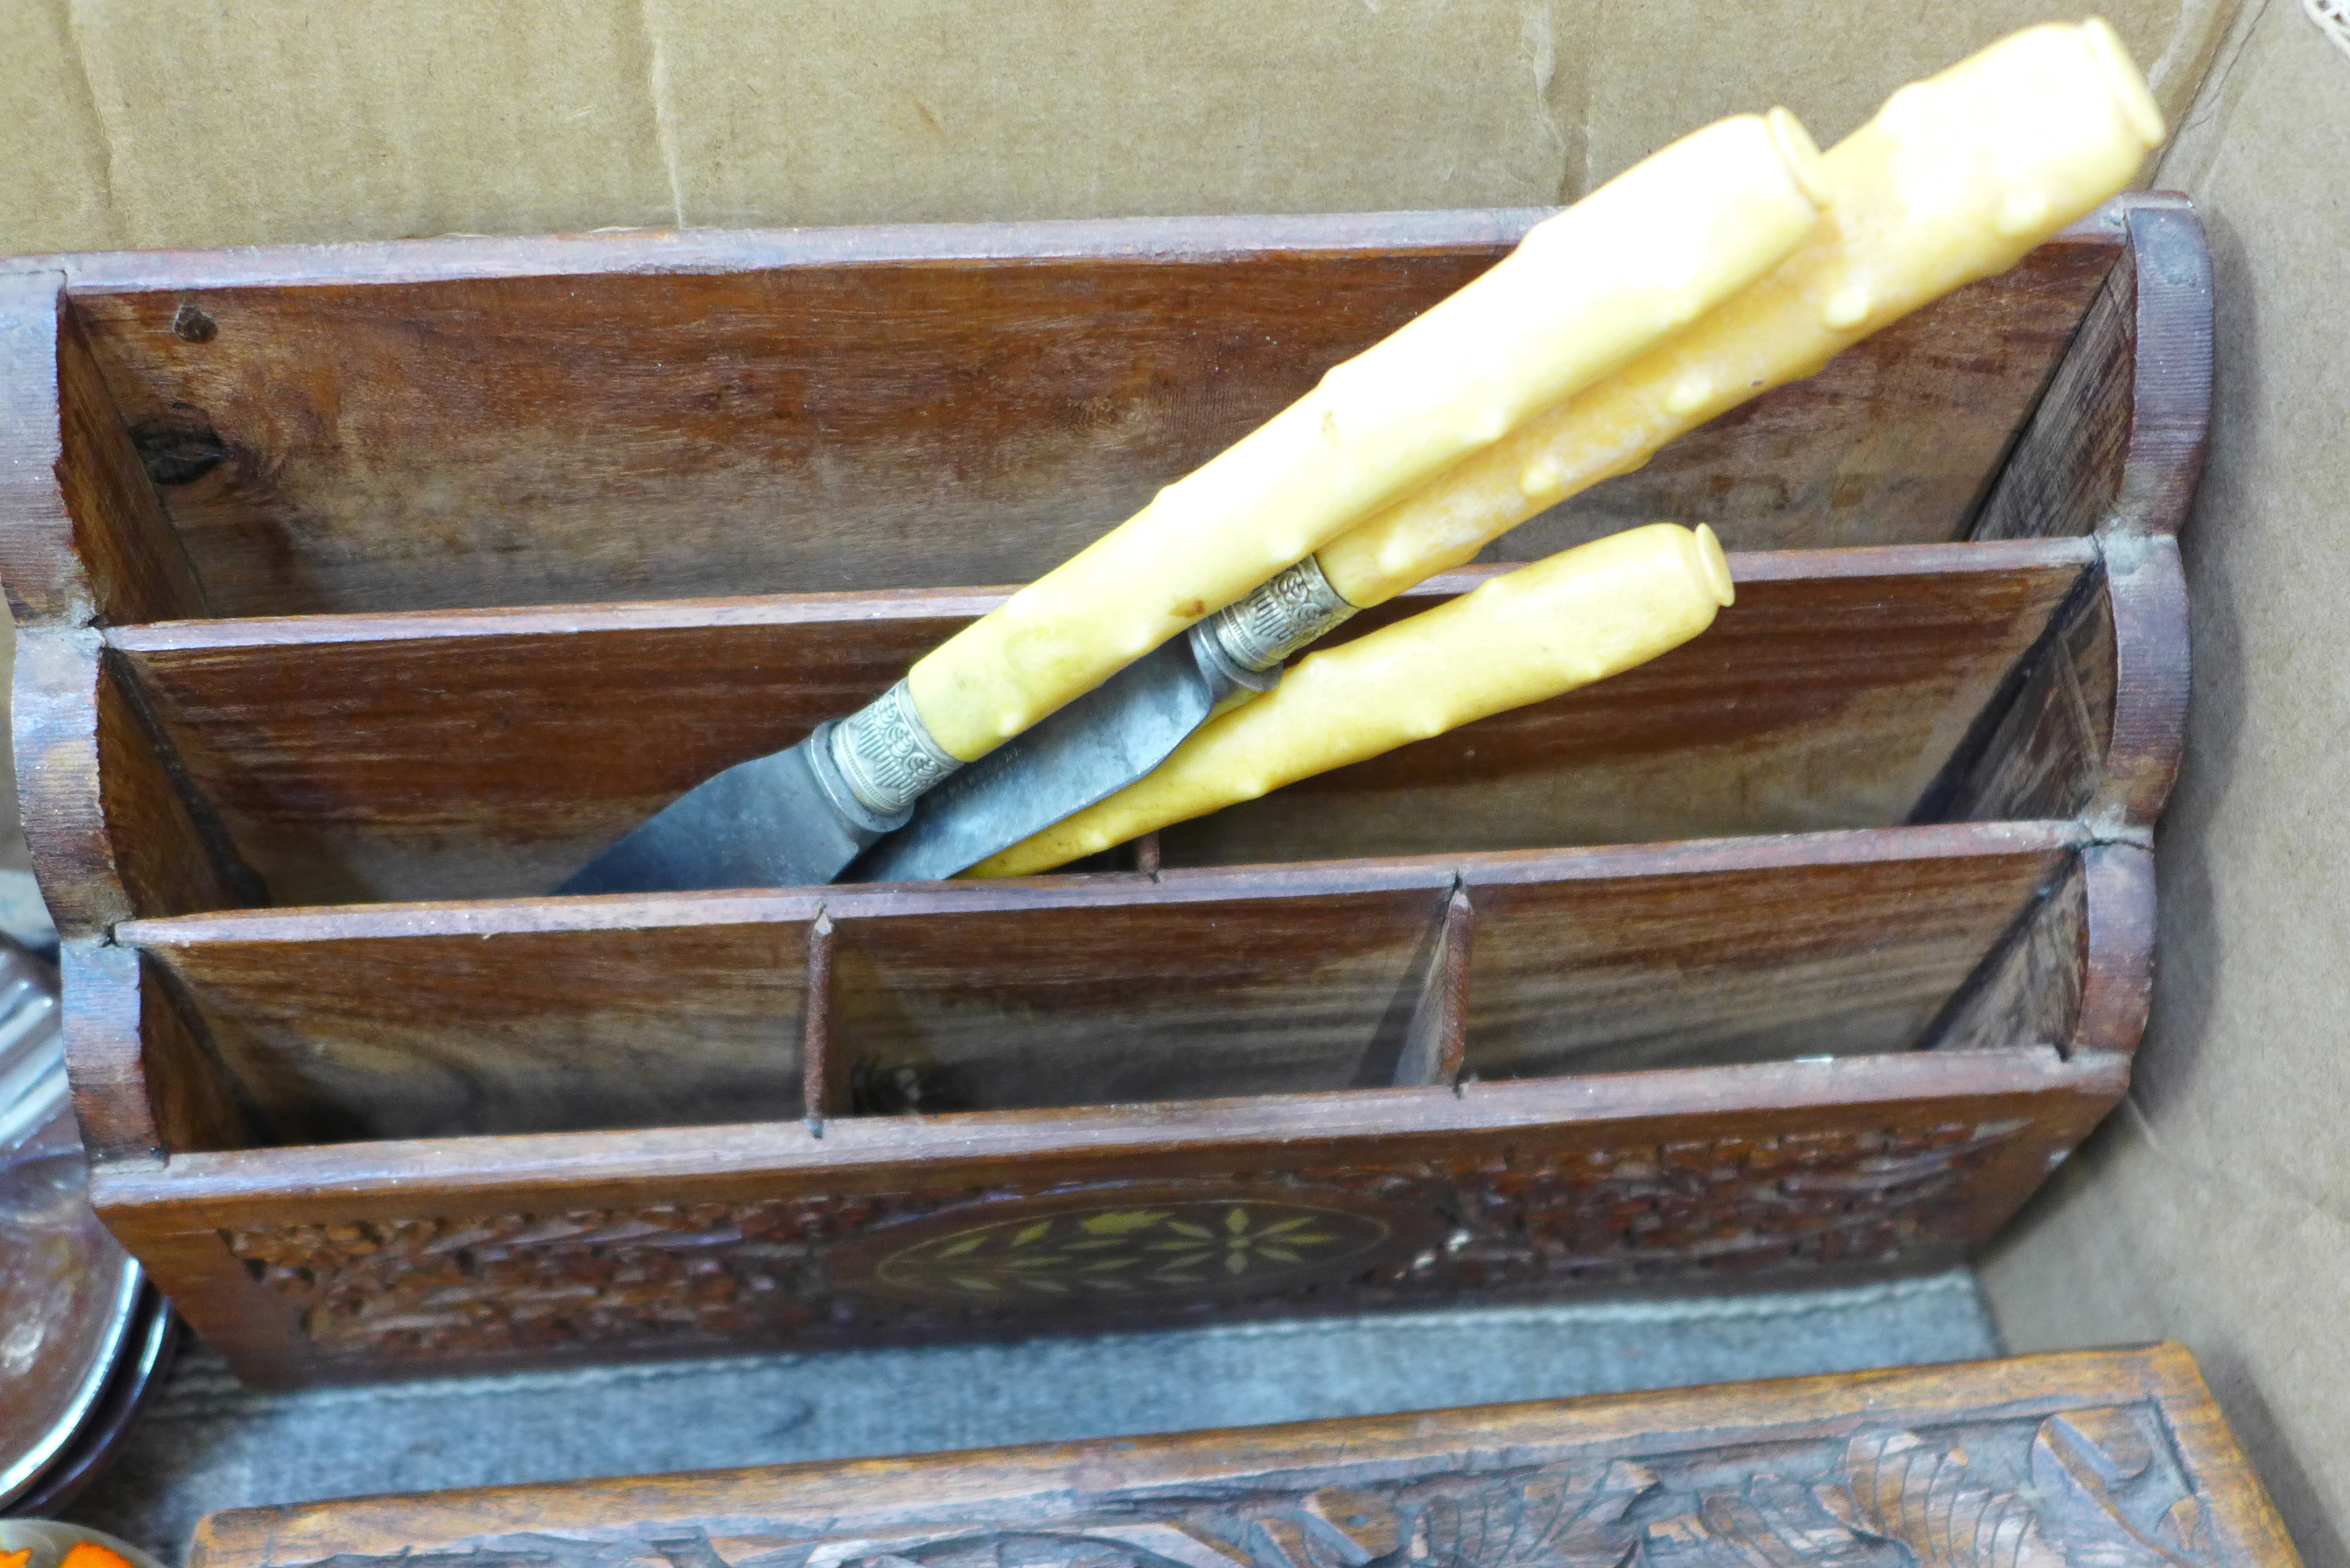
[886,755]
[1279,617]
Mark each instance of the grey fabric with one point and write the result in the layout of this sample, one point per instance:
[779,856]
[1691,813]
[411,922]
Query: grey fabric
[209,1444]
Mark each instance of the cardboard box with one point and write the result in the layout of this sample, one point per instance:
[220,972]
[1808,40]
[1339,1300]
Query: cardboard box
[2213,1207]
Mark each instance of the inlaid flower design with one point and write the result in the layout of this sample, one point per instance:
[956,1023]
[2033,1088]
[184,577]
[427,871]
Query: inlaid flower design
[1102,1254]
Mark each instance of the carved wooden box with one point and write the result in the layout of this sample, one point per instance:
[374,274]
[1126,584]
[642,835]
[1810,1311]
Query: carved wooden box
[2102,1459]
[366,590]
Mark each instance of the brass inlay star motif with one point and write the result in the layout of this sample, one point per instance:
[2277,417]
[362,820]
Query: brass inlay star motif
[1203,1247]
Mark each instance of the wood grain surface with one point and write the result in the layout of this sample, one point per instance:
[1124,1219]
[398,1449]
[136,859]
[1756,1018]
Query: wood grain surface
[377,577]
[2089,1456]
[447,1021]
[908,408]
[473,754]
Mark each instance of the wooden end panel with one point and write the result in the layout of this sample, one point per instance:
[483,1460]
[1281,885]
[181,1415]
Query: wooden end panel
[1528,1190]
[1876,1453]
[2153,663]
[83,539]
[145,1084]
[2092,720]
[2027,989]
[2118,439]
[2075,971]
[1891,443]
[114,828]
[523,1031]
[2118,948]
[103,1002]
[46,582]
[121,535]
[59,704]
[1811,959]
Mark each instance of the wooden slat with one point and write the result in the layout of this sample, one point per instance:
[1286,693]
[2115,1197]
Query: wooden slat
[1125,1003]
[1829,696]
[2118,439]
[1814,961]
[511,422]
[112,823]
[440,1020]
[865,1155]
[490,754]
[447,1035]
[2027,990]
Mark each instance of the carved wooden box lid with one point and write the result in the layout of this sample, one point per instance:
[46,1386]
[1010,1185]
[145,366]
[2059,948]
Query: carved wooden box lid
[2099,1459]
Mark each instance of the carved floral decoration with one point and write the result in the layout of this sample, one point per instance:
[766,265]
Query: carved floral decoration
[848,1269]
[2090,1491]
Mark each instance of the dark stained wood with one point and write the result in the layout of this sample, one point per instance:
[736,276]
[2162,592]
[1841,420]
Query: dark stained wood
[2039,747]
[2118,1454]
[82,538]
[1136,1002]
[2091,721]
[2118,971]
[394,1139]
[137,569]
[2028,988]
[2152,666]
[471,754]
[903,408]
[194,1099]
[2118,439]
[1701,969]
[1435,1042]
[447,1035]
[1904,1160]
[1891,443]
[112,824]
[1829,696]
[795,429]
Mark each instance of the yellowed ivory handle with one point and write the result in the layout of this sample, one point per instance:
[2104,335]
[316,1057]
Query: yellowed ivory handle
[1580,616]
[1956,177]
[1641,257]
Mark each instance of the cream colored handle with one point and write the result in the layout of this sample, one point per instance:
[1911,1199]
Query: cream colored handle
[1641,257]
[1580,616]
[1956,177]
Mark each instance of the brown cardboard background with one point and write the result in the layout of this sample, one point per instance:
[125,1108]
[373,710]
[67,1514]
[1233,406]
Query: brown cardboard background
[137,123]
[2215,1206]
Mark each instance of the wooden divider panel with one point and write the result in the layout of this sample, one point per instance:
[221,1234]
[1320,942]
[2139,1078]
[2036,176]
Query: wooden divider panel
[1828,696]
[1820,959]
[489,754]
[532,421]
[1134,1003]
[666,1010]
[451,1036]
